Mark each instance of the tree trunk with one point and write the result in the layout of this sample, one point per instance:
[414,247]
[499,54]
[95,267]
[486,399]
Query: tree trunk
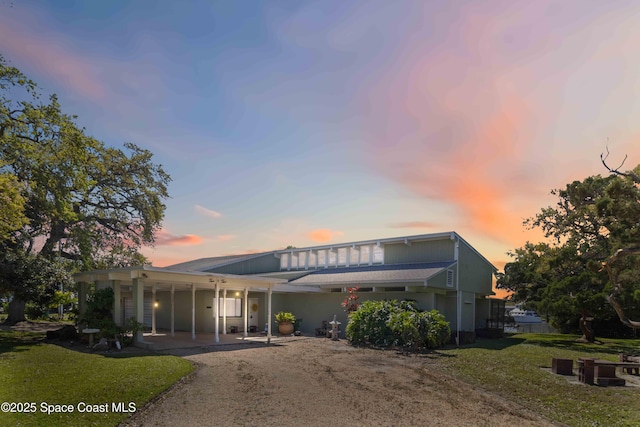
[16,312]
[588,335]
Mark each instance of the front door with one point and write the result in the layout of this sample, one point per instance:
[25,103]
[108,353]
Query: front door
[254,308]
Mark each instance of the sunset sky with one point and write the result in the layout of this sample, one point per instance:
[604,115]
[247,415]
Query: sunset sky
[300,123]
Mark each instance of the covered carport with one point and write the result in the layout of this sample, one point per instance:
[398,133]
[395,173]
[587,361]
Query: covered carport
[154,280]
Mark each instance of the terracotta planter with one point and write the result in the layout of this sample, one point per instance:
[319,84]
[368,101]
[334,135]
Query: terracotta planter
[285,328]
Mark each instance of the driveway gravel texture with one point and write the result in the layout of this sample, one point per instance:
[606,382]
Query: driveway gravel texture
[306,381]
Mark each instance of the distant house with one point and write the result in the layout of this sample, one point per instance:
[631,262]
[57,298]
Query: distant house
[440,271]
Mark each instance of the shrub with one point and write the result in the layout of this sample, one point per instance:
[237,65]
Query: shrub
[98,313]
[393,323]
[131,327]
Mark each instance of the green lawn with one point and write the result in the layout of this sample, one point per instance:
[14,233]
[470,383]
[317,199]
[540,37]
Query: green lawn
[33,372]
[513,368]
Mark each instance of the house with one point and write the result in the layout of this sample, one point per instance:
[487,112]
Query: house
[216,295]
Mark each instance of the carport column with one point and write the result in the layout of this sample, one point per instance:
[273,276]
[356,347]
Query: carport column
[246,315]
[456,254]
[224,312]
[173,291]
[154,307]
[193,311]
[269,315]
[117,302]
[217,318]
[138,306]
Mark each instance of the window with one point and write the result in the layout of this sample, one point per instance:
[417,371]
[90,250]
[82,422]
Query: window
[332,258]
[234,307]
[364,254]
[322,258]
[284,261]
[354,256]
[302,259]
[378,254]
[342,256]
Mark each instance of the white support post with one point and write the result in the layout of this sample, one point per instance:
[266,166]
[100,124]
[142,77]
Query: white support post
[138,306]
[456,254]
[269,315]
[193,311]
[173,291]
[153,309]
[224,312]
[246,312]
[217,318]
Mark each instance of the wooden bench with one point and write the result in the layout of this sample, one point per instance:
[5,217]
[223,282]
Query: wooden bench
[562,366]
[603,372]
[630,369]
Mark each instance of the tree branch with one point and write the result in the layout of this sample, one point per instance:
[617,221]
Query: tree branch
[616,171]
[617,286]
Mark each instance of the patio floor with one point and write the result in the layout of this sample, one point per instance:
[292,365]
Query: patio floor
[163,340]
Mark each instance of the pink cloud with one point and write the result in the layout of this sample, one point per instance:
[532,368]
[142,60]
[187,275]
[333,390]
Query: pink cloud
[456,125]
[207,212]
[164,238]
[322,235]
[29,47]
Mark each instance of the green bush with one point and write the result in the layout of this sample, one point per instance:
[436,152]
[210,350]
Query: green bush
[393,323]
[99,313]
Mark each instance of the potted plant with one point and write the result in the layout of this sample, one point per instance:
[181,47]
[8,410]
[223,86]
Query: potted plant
[285,322]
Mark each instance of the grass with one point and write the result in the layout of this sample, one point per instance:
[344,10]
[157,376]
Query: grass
[32,371]
[513,368]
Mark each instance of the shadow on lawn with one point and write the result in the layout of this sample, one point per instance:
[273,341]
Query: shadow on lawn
[12,341]
[82,347]
[571,343]
[18,341]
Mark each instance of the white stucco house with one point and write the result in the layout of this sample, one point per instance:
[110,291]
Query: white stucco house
[215,295]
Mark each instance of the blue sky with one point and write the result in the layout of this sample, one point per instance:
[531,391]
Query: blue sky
[309,122]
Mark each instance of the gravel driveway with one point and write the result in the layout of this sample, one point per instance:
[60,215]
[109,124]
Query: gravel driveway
[319,382]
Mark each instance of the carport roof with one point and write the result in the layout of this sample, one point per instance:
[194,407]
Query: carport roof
[375,274]
[156,275]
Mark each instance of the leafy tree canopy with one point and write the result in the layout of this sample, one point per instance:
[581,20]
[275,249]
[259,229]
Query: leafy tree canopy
[12,216]
[593,220]
[70,196]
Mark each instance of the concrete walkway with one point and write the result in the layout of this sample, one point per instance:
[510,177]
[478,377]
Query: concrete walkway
[163,341]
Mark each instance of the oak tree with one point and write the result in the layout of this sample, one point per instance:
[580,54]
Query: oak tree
[79,199]
[592,256]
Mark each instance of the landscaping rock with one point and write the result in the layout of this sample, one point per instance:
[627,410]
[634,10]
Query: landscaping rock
[102,345]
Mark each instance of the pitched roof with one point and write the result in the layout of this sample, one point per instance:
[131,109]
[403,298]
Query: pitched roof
[393,273]
[204,264]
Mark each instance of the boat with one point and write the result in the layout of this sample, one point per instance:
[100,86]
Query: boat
[524,316]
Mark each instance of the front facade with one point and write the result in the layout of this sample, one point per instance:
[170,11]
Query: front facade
[240,293]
